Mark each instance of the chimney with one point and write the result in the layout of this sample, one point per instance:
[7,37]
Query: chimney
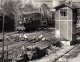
[70,2]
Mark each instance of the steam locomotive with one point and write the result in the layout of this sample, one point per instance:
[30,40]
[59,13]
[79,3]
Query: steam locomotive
[35,21]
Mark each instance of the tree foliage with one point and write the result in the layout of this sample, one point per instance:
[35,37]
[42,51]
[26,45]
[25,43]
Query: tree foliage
[11,7]
[28,8]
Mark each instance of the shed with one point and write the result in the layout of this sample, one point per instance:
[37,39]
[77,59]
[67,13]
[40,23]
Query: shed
[65,22]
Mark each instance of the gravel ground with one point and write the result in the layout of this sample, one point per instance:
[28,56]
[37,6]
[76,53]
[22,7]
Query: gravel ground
[72,56]
[49,34]
[16,46]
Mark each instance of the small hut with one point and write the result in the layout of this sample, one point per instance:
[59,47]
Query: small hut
[65,22]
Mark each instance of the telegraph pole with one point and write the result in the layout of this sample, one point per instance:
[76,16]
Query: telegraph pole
[3,39]
[2,33]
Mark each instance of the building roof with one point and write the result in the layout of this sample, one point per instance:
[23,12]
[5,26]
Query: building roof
[72,6]
[44,6]
[76,4]
[63,5]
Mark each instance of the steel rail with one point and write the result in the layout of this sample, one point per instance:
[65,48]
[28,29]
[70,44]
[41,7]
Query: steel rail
[65,53]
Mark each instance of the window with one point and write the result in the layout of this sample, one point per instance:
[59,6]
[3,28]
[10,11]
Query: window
[63,12]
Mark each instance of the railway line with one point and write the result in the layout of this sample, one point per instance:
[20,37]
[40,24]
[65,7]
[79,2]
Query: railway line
[18,48]
[49,58]
[20,44]
[65,53]
[54,57]
[15,48]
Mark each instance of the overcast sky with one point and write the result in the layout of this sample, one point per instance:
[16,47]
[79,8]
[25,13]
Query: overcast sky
[75,0]
[59,0]
[72,0]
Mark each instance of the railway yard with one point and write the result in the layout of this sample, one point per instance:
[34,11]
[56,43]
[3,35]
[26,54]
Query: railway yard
[38,46]
[39,31]
[35,40]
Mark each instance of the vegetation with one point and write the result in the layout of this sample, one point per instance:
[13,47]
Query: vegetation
[10,8]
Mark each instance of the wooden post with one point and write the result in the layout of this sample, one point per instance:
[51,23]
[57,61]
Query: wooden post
[2,34]
[3,39]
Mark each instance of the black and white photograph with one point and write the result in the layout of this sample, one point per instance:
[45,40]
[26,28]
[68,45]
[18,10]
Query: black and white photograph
[39,30]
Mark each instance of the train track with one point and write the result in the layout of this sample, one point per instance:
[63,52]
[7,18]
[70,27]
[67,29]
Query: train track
[19,45]
[56,56]
[65,53]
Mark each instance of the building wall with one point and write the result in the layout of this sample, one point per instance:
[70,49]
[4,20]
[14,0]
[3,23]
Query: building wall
[68,17]
[38,3]
[64,24]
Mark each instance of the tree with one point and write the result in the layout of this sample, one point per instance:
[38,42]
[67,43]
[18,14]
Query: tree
[8,7]
[11,8]
[28,7]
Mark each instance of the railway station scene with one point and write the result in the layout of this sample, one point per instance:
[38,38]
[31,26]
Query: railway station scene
[39,30]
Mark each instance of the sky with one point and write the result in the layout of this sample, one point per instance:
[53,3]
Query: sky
[76,0]
[50,0]
[59,0]
[72,0]
[29,1]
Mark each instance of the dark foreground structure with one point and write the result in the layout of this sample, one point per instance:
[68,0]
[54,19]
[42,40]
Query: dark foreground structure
[9,23]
